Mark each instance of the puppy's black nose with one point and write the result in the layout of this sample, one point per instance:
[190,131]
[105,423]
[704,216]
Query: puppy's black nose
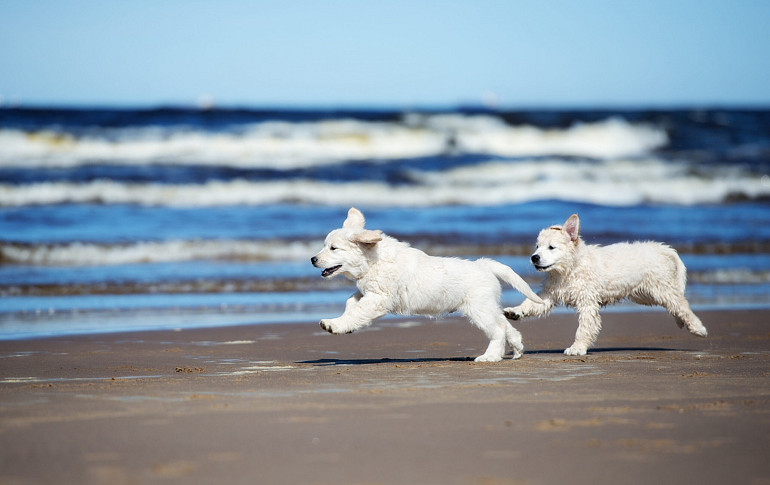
[535,258]
[313,260]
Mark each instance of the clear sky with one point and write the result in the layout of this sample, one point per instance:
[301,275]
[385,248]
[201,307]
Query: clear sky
[394,53]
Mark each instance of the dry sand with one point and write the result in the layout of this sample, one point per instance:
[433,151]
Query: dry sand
[399,403]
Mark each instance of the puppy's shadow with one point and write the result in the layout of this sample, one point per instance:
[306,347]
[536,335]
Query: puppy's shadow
[603,350]
[385,360]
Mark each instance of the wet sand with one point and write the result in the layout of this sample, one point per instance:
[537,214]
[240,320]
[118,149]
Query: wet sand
[398,403]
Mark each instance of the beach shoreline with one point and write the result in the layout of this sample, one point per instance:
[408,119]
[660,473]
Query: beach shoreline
[400,402]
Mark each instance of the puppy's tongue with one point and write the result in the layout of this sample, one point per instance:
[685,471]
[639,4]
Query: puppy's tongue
[330,271]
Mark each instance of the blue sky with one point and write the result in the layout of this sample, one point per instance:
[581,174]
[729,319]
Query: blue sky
[394,53]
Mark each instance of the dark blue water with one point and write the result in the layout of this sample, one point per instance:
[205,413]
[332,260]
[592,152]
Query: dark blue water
[216,212]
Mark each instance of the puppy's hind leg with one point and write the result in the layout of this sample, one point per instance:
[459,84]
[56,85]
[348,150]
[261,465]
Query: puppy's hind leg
[672,299]
[493,324]
[495,349]
[679,308]
[513,337]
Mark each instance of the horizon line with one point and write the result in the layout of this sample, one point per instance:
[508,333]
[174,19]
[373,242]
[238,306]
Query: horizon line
[387,107]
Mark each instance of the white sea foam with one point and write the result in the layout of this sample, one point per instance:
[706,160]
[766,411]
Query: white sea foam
[284,145]
[266,145]
[733,276]
[611,138]
[610,182]
[614,183]
[90,254]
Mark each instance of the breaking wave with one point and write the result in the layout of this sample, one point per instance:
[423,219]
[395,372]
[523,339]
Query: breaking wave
[609,182]
[291,145]
[731,276]
[92,254]
[87,254]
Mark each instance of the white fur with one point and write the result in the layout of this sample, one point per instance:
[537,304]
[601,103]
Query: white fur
[588,277]
[393,277]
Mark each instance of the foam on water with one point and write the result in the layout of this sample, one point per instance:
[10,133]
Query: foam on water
[611,138]
[621,182]
[286,145]
[87,254]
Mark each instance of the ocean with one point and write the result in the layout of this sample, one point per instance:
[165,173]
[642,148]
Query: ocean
[170,218]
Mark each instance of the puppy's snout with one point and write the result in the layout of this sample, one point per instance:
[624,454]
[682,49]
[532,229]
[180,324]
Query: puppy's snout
[535,258]
[313,260]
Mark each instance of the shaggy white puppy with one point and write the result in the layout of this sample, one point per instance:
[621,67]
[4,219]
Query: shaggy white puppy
[393,277]
[589,277]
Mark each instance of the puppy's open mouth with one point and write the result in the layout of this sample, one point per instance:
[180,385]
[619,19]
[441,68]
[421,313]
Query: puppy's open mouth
[541,267]
[330,271]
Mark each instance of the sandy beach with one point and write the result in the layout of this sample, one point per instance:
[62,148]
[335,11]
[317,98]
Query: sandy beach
[399,403]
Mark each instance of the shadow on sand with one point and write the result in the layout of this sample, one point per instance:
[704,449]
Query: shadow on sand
[327,362]
[384,361]
[607,349]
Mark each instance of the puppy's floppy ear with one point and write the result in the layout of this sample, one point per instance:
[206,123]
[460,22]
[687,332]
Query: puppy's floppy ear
[367,238]
[572,227]
[355,219]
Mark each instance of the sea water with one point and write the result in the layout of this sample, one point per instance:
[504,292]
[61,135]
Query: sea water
[120,219]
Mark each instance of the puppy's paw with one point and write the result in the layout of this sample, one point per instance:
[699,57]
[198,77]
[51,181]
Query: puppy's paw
[517,353]
[513,313]
[576,350]
[326,325]
[699,331]
[330,327]
[488,358]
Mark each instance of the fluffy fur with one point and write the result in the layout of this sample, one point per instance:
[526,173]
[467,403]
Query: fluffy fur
[393,277]
[588,277]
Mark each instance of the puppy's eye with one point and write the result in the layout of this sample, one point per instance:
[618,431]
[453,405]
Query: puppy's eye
[333,248]
[551,248]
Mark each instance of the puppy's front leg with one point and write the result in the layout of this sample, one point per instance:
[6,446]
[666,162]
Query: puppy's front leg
[589,326]
[529,308]
[359,312]
[332,325]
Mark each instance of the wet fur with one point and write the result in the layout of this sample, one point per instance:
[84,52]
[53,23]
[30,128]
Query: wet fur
[393,277]
[587,277]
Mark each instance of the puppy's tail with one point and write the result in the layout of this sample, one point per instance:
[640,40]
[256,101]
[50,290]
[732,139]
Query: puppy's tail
[681,272]
[504,273]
